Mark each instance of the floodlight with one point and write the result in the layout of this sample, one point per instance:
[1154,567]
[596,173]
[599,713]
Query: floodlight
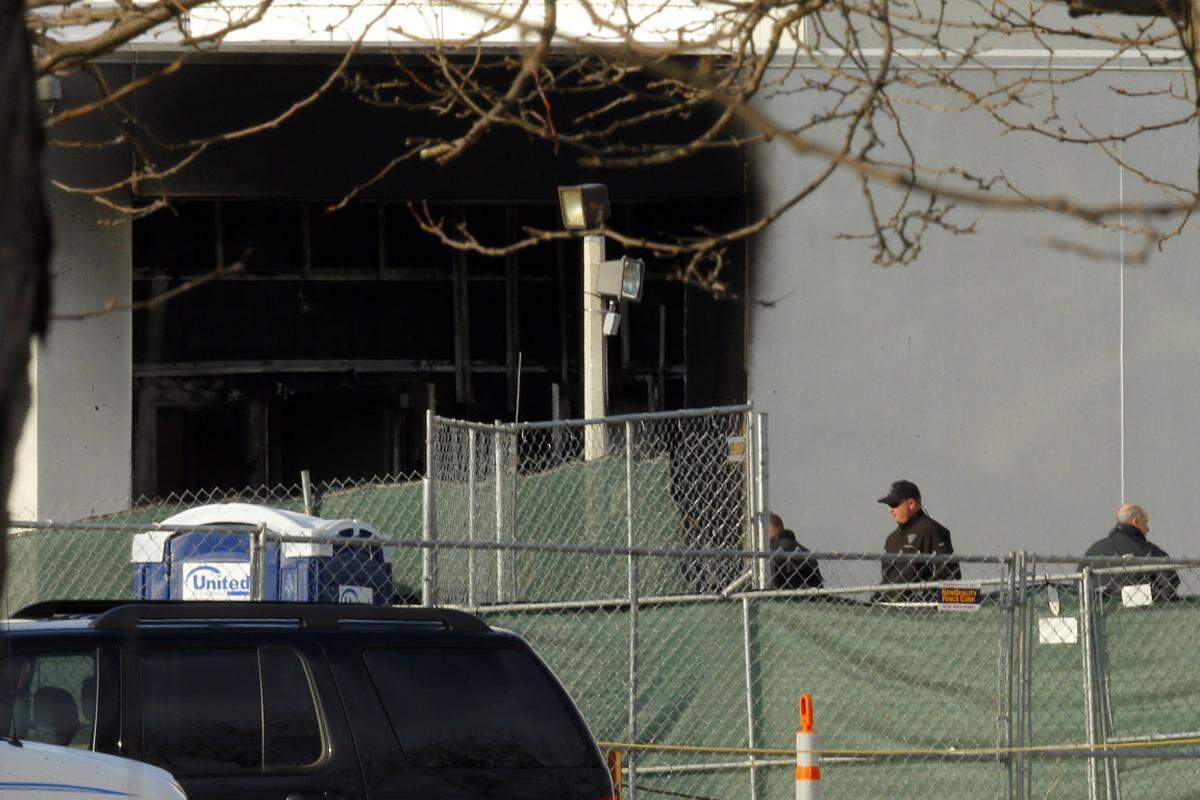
[622,278]
[584,207]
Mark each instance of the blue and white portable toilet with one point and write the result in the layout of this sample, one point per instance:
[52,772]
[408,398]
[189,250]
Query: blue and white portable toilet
[214,564]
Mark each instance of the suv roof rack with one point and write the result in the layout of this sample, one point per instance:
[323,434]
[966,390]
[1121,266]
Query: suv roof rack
[67,608]
[123,614]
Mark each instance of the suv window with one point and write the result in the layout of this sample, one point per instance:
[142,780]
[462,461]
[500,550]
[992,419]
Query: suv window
[475,708]
[203,711]
[293,724]
[49,697]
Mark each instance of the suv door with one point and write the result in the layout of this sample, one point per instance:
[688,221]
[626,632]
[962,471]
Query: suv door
[49,692]
[239,716]
[460,721]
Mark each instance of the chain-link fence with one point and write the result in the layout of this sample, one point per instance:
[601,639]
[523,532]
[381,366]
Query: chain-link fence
[1031,677]
[684,479]
[91,559]
[631,553]
[690,479]
[1110,646]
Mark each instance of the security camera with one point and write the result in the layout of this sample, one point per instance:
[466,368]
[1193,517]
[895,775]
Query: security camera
[612,319]
[49,91]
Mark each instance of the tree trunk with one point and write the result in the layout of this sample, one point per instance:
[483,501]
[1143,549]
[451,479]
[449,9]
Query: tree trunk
[24,241]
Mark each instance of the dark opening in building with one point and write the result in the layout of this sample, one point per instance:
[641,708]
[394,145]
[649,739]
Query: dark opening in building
[345,327]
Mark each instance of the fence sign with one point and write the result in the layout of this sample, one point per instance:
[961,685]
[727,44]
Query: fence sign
[958,596]
[1058,630]
[1136,596]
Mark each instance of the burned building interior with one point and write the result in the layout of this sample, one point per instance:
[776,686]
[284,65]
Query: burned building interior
[345,326]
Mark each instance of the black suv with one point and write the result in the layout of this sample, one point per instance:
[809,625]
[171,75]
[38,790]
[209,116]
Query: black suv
[296,701]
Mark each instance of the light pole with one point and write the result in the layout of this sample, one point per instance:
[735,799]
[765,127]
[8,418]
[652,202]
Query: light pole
[595,351]
[586,208]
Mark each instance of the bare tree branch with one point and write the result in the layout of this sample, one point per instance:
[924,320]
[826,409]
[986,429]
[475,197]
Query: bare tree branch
[113,305]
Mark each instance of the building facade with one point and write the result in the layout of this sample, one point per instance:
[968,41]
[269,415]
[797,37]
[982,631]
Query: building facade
[1027,385]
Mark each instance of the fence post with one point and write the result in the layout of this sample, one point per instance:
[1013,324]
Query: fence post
[503,557]
[751,734]
[633,604]
[1010,665]
[306,491]
[750,494]
[428,521]
[1089,676]
[631,768]
[254,566]
[258,566]
[633,599]
[1112,777]
[471,444]
[761,497]
[629,520]
[1028,627]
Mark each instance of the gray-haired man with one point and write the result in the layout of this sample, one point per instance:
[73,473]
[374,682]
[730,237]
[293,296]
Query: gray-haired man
[1128,539]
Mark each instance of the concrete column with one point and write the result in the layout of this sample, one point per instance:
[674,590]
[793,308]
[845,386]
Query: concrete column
[22,495]
[74,455]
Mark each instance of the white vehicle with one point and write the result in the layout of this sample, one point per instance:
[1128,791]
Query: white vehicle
[36,771]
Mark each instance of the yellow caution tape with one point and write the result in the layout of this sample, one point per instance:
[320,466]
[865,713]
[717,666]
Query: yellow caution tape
[947,751]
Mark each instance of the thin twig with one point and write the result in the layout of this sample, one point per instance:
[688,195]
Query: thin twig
[113,305]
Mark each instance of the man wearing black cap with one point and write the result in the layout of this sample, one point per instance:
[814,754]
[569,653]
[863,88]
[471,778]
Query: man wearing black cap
[916,532]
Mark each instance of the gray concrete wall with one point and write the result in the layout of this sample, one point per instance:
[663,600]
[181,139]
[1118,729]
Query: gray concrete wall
[84,368]
[1027,390]
[74,455]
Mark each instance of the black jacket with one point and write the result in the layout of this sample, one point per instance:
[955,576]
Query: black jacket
[921,534]
[1126,540]
[793,569]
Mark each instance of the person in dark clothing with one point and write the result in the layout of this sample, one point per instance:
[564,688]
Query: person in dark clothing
[1128,539]
[793,568]
[916,532]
